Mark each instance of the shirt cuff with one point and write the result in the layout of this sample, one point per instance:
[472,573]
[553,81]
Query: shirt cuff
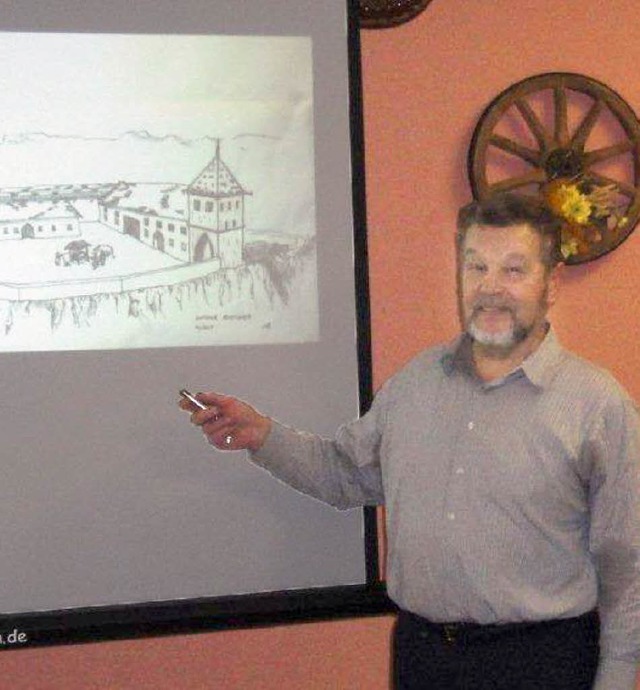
[615,674]
[273,445]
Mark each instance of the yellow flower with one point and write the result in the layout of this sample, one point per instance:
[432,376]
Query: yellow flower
[588,217]
[570,244]
[567,201]
[575,206]
[569,248]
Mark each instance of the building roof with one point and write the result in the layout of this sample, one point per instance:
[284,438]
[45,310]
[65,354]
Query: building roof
[216,180]
[21,211]
[149,198]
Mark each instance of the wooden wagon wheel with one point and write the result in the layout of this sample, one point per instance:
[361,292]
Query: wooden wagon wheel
[383,14]
[545,127]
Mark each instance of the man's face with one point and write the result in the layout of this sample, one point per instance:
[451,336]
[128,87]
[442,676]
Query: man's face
[505,289]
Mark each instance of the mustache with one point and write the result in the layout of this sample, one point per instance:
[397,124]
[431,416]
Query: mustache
[490,302]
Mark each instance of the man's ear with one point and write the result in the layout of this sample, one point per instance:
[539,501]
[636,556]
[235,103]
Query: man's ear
[553,283]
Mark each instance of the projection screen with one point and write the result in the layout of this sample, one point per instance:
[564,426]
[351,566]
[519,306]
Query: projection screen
[181,205]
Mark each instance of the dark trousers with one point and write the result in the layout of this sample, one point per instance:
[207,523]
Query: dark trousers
[552,655]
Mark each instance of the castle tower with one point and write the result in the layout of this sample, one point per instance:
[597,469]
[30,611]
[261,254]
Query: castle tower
[216,214]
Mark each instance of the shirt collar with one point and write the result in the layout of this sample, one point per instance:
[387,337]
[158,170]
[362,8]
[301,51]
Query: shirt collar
[540,367]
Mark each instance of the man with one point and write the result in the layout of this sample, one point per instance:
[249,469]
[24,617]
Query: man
[509,471]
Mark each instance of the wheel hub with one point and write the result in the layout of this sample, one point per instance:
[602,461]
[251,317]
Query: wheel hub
[563,163]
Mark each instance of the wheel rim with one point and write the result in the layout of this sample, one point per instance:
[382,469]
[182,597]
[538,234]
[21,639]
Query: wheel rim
[383,14]
[551,129]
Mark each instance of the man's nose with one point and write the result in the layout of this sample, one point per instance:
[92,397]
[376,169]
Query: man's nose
[491,283]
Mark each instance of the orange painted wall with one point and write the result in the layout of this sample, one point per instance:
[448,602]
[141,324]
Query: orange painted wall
[426,83]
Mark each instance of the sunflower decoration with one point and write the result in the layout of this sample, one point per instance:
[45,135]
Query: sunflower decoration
[590,213]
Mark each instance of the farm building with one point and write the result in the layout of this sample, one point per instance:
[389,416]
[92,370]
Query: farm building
[192,223]
[27,219]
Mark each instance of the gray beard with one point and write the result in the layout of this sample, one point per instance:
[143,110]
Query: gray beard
[502,341]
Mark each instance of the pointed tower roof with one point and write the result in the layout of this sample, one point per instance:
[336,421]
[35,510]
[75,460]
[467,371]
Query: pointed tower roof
[216,180]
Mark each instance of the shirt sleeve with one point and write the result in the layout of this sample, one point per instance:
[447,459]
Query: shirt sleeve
[343,472]
[614,442]
[614,674]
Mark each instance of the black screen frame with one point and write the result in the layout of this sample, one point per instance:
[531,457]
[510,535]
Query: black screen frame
[94,624]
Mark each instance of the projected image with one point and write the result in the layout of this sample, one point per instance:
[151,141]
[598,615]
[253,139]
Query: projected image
[156,191]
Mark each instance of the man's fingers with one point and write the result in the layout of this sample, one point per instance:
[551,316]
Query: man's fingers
[209,416]
[224,439]
[212,399]
[229,423]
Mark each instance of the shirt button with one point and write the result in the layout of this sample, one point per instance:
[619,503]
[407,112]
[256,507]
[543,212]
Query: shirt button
[470,426]
[451,516]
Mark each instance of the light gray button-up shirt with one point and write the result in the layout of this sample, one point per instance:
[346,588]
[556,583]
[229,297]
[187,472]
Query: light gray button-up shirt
[515,500]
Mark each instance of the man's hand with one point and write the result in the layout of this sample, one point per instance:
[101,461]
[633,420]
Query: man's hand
[229,423]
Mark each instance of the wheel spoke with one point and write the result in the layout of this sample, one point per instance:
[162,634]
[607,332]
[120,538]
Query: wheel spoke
[561,128]
[624,188]
[581,135]
[604,154]
[533,177]
[534,124]
[516,149]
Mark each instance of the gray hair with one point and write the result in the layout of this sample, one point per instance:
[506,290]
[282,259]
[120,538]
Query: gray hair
[505,210]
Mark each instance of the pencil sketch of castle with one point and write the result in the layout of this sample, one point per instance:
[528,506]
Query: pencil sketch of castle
[201,222]
[169,246]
